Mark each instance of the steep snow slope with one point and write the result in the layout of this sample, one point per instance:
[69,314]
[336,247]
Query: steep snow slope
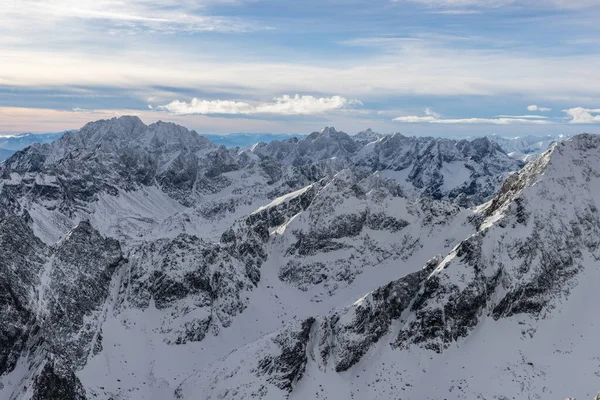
[508,313]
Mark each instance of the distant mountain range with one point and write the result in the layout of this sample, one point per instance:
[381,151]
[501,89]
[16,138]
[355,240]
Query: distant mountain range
[525,148]
[247,139]
[521,148]
[11,144]
[4,154]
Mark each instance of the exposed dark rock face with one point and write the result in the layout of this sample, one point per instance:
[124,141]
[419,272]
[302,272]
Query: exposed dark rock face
[356,329]
[57,383]
[48,298]
[21,259]
[350,221]
[287,368]
[173,274]
[79,275]
[382,222]
[438,322]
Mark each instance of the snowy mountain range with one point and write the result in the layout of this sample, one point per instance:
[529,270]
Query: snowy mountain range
[11,144]
[521,148]
[146,262]
[526,148]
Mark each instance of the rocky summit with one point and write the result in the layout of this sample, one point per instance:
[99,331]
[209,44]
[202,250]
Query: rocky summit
[145,262]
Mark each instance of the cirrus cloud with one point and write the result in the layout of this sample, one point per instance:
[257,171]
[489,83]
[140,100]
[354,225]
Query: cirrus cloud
[523,116]
[165,16]
[560,4]
[284,105]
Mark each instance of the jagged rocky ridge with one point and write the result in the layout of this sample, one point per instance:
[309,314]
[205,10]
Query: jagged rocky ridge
[190,251]
[467,172]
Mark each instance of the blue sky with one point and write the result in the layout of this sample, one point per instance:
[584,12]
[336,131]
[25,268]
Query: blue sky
[423,67]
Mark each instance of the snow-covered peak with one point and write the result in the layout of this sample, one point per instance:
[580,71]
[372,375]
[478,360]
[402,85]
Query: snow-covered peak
[122,128]
[329,133]
[367,136]
[318,146]
[121,145]
[171,135]
[130,132]
[328,130]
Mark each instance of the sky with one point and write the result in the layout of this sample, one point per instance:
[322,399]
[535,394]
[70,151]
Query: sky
[419,67]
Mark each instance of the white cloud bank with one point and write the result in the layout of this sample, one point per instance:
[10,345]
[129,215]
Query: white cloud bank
[434,118]
[580,115]
[284,105]
[534,107]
